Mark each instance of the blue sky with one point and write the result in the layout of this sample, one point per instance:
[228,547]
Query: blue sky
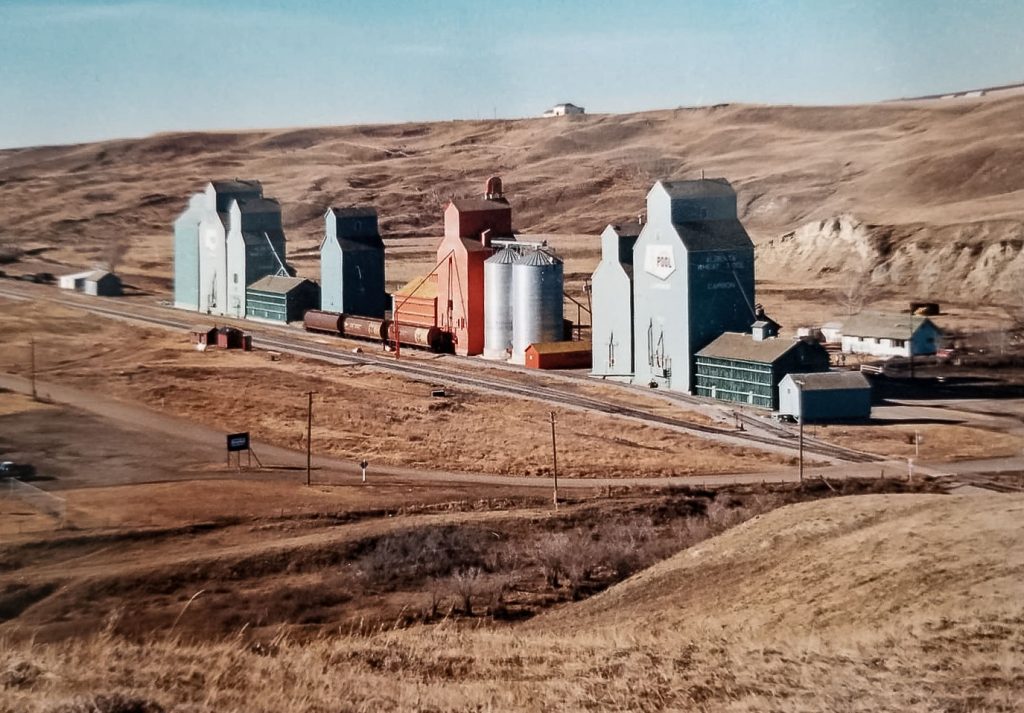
[94,69]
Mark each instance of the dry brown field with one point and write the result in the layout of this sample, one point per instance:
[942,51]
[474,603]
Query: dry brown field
[866,603]
[361,412]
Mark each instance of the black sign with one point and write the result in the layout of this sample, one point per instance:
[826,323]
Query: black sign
[238,441]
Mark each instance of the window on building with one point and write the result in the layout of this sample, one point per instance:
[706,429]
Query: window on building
[877,340]
[899,343]
[235,278]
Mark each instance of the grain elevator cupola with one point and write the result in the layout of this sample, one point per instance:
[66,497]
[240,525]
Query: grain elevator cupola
[764,327]
[493,191]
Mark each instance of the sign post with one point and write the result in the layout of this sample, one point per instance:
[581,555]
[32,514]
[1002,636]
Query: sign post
[238,442]
[554,460]
[309,439]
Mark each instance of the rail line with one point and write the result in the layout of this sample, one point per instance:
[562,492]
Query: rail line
[434,374]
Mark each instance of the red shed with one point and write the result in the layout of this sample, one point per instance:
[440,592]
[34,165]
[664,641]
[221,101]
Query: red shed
[230,338]
[559,355]
[203,335]
[469,225]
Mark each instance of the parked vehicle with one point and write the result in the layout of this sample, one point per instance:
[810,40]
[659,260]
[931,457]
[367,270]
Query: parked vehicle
[10,469]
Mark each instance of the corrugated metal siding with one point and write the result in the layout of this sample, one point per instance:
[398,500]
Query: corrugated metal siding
[282,306]
[264,305]
[735,381]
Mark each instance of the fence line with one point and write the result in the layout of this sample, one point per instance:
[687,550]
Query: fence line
[39,499]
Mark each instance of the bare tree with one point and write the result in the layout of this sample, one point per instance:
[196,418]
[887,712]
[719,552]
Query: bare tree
[465,585]
[856,290]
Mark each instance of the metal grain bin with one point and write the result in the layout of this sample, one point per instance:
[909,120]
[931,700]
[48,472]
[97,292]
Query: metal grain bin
[537,288]
[498,304]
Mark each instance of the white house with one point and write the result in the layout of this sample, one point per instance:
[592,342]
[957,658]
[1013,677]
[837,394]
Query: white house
[832,332]
[564,110]
[888,335]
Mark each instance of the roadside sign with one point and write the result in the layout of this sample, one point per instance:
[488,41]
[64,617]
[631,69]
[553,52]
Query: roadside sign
[238,441]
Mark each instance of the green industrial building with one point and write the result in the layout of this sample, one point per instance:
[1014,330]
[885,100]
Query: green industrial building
[280,299]
[747,369]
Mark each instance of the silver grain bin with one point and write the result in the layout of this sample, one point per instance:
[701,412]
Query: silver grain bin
[498,303]
[537,288]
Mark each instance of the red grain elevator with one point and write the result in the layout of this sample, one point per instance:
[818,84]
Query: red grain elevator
[469,226]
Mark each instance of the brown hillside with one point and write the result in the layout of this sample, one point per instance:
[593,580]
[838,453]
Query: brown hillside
[864,563]
[915,172]
[874,603]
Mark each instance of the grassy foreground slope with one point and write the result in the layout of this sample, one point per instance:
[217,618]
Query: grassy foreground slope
[909,603]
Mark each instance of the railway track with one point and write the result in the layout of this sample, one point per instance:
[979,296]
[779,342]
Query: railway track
[434,373]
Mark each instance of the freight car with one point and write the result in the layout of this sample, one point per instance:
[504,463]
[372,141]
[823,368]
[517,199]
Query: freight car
[379,330]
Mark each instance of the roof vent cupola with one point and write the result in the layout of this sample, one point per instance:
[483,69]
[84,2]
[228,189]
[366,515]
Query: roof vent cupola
[493,191]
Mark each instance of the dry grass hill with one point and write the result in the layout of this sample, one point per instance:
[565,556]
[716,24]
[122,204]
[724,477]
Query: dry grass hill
[904,191]
[870,603]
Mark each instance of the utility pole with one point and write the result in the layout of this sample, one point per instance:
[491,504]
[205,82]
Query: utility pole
[800,402]
[309,438]
[554,458]
[910,343]
[32,347]
[917,445]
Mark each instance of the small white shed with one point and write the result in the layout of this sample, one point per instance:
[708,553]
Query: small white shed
[826,396]
[74,281]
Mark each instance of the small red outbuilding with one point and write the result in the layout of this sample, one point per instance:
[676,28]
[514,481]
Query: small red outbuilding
[559,355]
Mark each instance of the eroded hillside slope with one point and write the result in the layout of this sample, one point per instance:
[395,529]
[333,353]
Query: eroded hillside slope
[921,173]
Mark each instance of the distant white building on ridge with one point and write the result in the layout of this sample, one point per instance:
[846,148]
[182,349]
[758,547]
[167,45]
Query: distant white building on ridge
[564,110]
